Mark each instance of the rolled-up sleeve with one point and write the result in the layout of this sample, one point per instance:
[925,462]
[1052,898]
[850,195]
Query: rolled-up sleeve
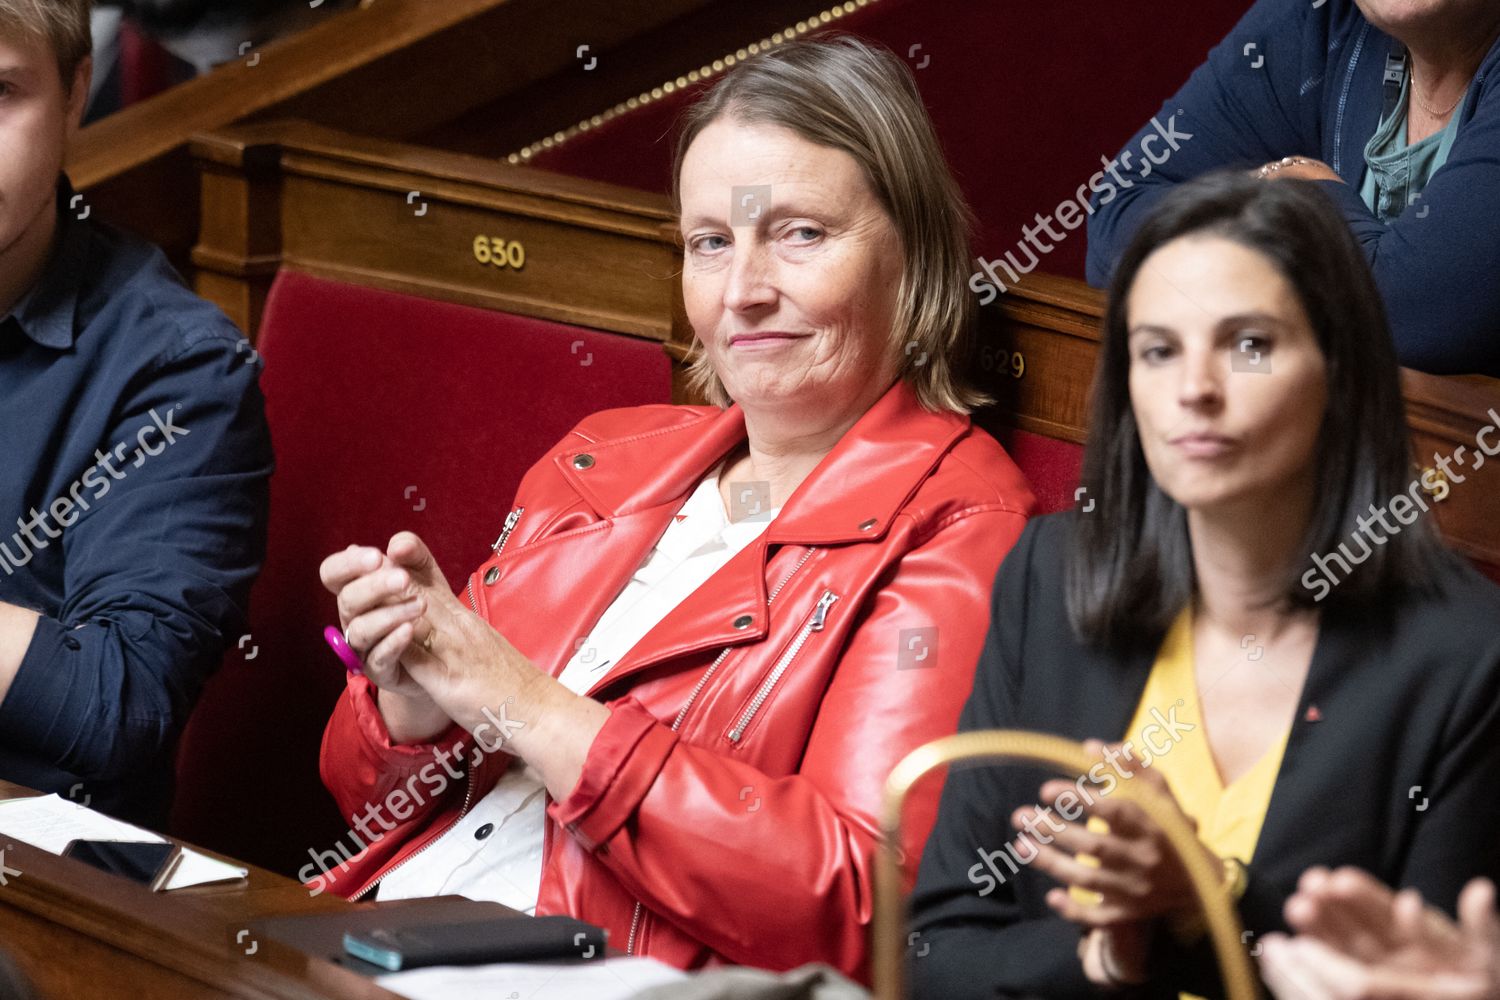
[162,540]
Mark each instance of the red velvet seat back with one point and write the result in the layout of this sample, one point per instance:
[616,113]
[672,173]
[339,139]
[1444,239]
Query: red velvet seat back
[387,412]
[1051,465]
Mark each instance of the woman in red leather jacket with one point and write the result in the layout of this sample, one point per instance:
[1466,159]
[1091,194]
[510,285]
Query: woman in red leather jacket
[668,702]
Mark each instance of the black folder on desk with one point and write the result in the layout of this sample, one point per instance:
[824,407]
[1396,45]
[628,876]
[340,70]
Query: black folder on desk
[321,935]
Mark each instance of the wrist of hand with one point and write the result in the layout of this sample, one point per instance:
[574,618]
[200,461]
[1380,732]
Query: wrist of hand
[1116,958]
[1299,168]
[411,718]
[1287,164]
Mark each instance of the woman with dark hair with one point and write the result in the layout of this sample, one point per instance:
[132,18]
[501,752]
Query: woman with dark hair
[1250,605]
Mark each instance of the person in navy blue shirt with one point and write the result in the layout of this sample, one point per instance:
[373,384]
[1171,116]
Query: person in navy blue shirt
[134,462]
[1393,108]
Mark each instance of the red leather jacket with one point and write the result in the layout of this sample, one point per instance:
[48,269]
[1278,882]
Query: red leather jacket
[727,811]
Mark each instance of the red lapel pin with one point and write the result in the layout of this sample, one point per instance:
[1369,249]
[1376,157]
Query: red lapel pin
[1313,715]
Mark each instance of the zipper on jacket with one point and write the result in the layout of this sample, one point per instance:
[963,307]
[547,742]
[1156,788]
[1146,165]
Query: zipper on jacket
[506,529]
[702,681]
[635,917]
[1338,121]
[814,624]
[510,525]
[635,920]
[468,794]
[677,722]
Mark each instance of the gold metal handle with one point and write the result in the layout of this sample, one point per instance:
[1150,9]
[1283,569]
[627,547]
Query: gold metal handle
[1001,745]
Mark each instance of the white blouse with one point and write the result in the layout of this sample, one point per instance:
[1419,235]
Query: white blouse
[495,851]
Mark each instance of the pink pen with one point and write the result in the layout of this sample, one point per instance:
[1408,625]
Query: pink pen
[335,639]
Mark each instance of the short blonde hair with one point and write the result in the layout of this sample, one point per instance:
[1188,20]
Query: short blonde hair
[62,25]
[848,94]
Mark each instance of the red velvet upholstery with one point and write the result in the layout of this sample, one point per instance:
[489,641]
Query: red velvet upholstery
[387,412]
[1026,97]
[1051,465]
[145,67]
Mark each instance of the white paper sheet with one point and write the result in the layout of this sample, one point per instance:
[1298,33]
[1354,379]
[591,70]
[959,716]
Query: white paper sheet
[50,822]
[611,979]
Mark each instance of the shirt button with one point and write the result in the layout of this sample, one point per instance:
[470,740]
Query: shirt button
[484,831]
[743,621]
[583,461]
[867,525]
[491,575]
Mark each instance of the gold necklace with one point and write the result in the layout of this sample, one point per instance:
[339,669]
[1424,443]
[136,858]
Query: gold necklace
[1428,107]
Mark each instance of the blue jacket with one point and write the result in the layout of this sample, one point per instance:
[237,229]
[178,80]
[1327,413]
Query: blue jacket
[1295,78]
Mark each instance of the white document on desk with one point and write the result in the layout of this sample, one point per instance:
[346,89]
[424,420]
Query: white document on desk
[50,822]
[611,979]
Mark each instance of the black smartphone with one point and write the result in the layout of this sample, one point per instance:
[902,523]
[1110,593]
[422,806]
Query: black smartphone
[149,864]
[511,939]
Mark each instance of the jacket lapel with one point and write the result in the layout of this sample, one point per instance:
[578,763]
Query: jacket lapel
[555,589]
[729,610]
[851,496]
[1333,672]
[860,486]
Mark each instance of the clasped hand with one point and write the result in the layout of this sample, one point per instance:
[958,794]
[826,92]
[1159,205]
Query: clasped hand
[434,660]
[1138,877]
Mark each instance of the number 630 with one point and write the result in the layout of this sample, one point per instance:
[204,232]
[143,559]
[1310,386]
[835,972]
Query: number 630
[501,253]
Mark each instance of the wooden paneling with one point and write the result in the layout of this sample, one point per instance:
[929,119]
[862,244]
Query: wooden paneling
[1036,356]
[479,76]
[392,69]
[1448,418]
[421,221]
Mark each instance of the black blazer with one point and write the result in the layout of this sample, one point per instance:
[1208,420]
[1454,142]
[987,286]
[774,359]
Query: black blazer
[1408,697]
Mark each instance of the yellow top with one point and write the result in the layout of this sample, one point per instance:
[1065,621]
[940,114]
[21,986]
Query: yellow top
[1229,816]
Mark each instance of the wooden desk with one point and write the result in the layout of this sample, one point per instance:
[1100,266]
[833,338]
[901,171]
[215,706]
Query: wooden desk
[77,932]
